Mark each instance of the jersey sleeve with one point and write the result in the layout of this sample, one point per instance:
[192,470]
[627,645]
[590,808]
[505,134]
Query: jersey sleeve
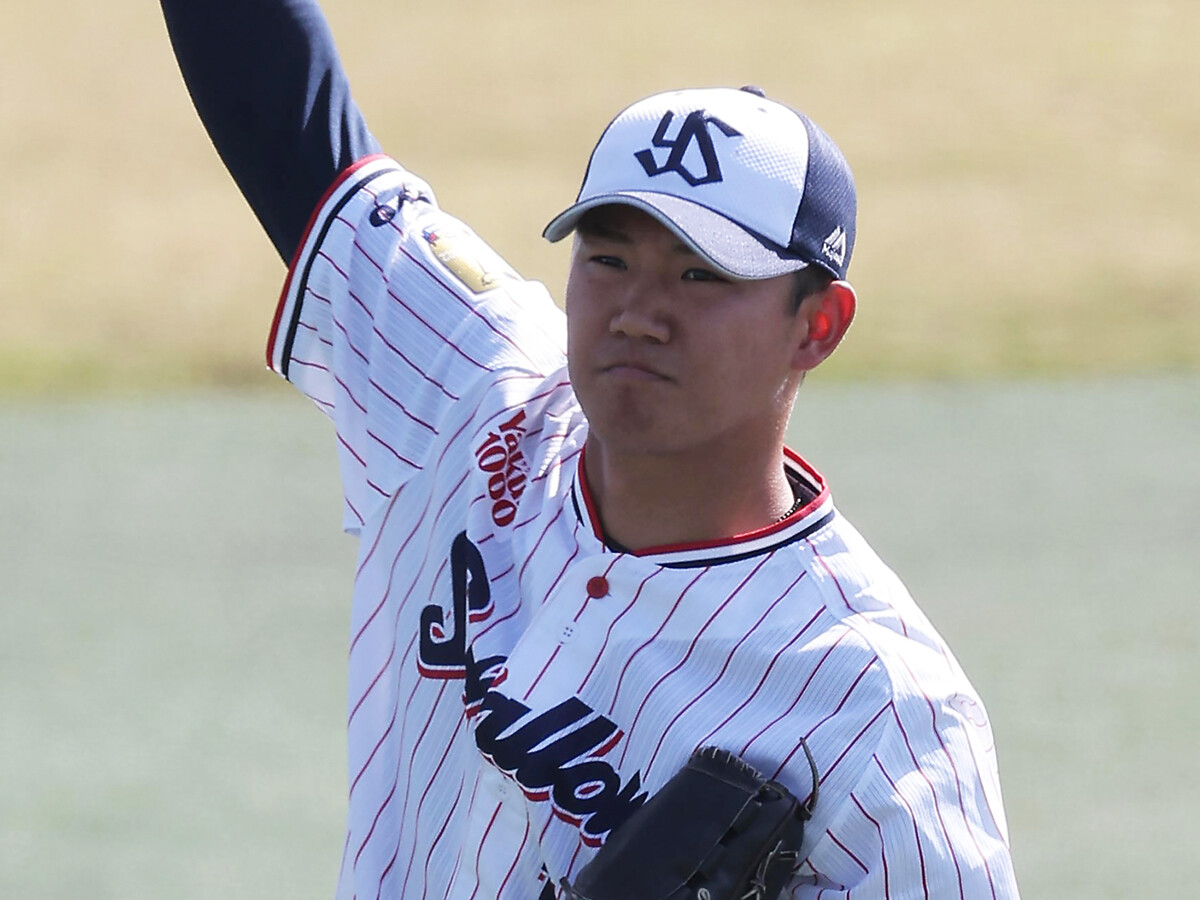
[924,820]
[396,320]
[268,84]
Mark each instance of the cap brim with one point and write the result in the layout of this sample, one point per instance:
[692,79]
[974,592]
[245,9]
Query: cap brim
[726,245]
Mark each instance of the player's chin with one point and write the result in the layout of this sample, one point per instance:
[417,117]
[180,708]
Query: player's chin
[634,401]
[638,430]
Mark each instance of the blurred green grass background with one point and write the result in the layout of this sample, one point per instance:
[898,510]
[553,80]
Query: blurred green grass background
[1013,422]
[176,597]
[1029,201]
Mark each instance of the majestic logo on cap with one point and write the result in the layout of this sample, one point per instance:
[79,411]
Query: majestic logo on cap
[834,246]
[694,129]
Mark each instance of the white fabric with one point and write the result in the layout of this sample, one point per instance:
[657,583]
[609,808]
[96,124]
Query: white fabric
[763,166]
[502,717]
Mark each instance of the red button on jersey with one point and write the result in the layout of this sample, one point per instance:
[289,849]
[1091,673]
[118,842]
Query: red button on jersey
[597,587]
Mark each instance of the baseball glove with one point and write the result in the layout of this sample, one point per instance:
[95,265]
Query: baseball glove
[717,830]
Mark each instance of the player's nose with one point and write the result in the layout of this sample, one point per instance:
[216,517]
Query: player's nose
[639,311]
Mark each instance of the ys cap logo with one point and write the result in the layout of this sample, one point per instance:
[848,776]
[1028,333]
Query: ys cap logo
[693,130]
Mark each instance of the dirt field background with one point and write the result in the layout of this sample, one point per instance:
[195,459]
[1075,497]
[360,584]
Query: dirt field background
[1028,198]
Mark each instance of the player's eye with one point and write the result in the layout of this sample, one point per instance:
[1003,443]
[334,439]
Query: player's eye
[695,274]
[602,259]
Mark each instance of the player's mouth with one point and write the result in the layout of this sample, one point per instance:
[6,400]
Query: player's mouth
[633,370]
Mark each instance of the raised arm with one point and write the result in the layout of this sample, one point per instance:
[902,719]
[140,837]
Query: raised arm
[268,84]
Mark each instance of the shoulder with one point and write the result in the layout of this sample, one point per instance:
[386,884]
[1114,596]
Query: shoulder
[922,777]
[409,331]
[858,589]
[912,666]
[380,257]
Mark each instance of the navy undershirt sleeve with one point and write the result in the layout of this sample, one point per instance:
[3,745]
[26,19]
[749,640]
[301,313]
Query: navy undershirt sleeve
[268,84]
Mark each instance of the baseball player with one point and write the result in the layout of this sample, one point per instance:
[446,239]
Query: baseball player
[584,549]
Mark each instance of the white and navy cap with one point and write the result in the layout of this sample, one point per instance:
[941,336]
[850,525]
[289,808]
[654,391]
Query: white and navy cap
[752,186]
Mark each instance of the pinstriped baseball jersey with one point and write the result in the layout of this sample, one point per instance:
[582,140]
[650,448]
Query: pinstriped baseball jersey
[518,686]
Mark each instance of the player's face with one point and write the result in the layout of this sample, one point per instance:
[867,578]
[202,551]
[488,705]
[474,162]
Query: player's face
[668,356]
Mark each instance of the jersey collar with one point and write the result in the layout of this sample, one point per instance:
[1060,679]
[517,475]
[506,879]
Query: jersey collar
[800,524]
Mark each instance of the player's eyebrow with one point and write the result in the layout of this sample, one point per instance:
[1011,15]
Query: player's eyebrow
[595,227]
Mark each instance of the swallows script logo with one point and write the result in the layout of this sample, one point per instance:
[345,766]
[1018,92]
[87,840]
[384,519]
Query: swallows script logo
[693,130]
[556,754]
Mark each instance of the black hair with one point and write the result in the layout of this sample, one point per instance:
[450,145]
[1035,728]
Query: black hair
[810,280]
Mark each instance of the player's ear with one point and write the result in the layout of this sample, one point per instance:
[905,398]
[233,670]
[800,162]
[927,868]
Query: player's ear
[826,316]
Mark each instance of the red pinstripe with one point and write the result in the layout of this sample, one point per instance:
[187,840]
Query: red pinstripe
[945,751]
[445,340]
[337,323]
[386,731]
[398,352]
[559,462]
[799,695]
[362,251]
[332,262]
[310,291]
[338,183]
[433,781]
[516,856]
[374,546]
[538,543]
[937,807]
[957,787]
[357,514]
[720,675]
[612,625]
[324,404]
[858,862]
[766,674]
[482,843]
[574,858]
[516,609]
[374,681]
[310,365]
[379,812]
[470,309]
[433,846]
[458,855]
[341,440]
[400,406]
[316,333]
[686,656]
[625,669]
[387,801]
[349,393]
[854,741]
[887,893]
[392,450]
[545,597]
[394,631]
[367,311]
[912,817]
[369,555]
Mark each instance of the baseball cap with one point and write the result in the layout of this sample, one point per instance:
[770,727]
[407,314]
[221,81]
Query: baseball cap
[749,184]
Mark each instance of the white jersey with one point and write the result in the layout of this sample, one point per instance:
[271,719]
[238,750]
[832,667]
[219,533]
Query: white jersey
[517,687]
